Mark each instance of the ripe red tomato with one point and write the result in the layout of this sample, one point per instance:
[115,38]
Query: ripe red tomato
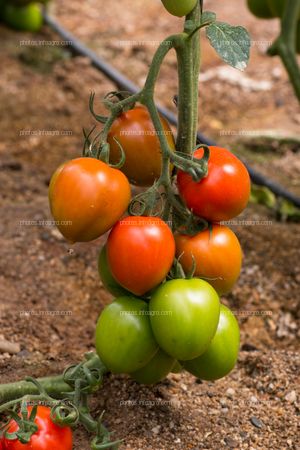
[87,197]
[140,252]
[217,254]
[136,134]
[222,353]
[48,437]
[223,194]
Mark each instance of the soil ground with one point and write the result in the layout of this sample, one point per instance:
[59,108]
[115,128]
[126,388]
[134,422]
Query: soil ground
[43,89]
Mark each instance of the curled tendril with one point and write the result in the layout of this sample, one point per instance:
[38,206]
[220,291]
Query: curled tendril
[103,437]
[98,117]
[122,159]
[65,413]
[146,203]
[197,168]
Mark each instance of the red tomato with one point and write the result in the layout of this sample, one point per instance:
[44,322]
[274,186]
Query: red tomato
[87,197]
[140,253]
[48,437]
[217,254]
[135,132]
[223,194]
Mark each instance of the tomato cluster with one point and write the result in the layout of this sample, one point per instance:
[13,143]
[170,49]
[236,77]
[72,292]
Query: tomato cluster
[157,322]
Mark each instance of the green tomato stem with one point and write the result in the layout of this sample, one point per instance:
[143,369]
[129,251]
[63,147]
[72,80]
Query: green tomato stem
[285,45]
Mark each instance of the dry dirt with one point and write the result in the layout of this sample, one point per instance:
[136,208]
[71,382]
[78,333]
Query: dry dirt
[44,89]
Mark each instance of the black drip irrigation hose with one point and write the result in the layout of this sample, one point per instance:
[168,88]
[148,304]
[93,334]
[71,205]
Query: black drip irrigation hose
[126,85]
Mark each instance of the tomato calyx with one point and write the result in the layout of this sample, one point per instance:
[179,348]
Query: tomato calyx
[26,425]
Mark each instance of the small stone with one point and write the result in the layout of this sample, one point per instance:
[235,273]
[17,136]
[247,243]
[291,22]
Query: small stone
[210,394]
[224,410]
[256,422]
[230,392]
[230,442]
[184,387]
[291,397]
[289,442]
[248,348]
[253,399]
[178,440]
[156,430]
[223,402]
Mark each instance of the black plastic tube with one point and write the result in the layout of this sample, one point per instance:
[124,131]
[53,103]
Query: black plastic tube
[125,84]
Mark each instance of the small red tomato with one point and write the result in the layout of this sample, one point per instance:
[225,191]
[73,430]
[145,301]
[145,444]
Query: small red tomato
[48,437]
[140,253]
[217,255]
[223,193]
[87,197]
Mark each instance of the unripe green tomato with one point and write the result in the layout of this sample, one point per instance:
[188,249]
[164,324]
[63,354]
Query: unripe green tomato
[221,356]
[179,8]
[124,339]
[184,316]
[156,370]
[260,8]
[23,18]
[108,281]
[177,368]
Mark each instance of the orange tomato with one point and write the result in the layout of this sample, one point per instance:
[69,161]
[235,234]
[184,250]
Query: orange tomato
[217,254]
[87,197]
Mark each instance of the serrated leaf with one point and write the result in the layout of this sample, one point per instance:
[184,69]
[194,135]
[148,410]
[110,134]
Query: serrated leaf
[208,16]
[231,43]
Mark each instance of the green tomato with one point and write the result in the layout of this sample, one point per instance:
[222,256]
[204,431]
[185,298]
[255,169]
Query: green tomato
[108,281]
[156,370]
[24,18]
[260,8]
[221,356]
[184,317]
[177,368]
[179,8]
[124,339]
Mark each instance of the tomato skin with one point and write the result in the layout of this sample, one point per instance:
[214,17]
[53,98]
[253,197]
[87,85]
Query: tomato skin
[177,368]
[89,194]
[136,134]
[140,252]
[48,437]
[108,281]
[179,8]
[156,370]
[260,9]
[124,338]
[221,356]
[223,194]
[184,317]
[217,254]
[23,18]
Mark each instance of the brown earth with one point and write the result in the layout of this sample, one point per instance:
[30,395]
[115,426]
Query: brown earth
[44,89]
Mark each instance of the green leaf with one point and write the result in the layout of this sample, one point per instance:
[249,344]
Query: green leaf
[208,17]
[231,43]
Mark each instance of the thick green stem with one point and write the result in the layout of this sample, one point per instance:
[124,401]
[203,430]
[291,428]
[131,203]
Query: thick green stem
[54,386]
[285,45]
[188,57]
